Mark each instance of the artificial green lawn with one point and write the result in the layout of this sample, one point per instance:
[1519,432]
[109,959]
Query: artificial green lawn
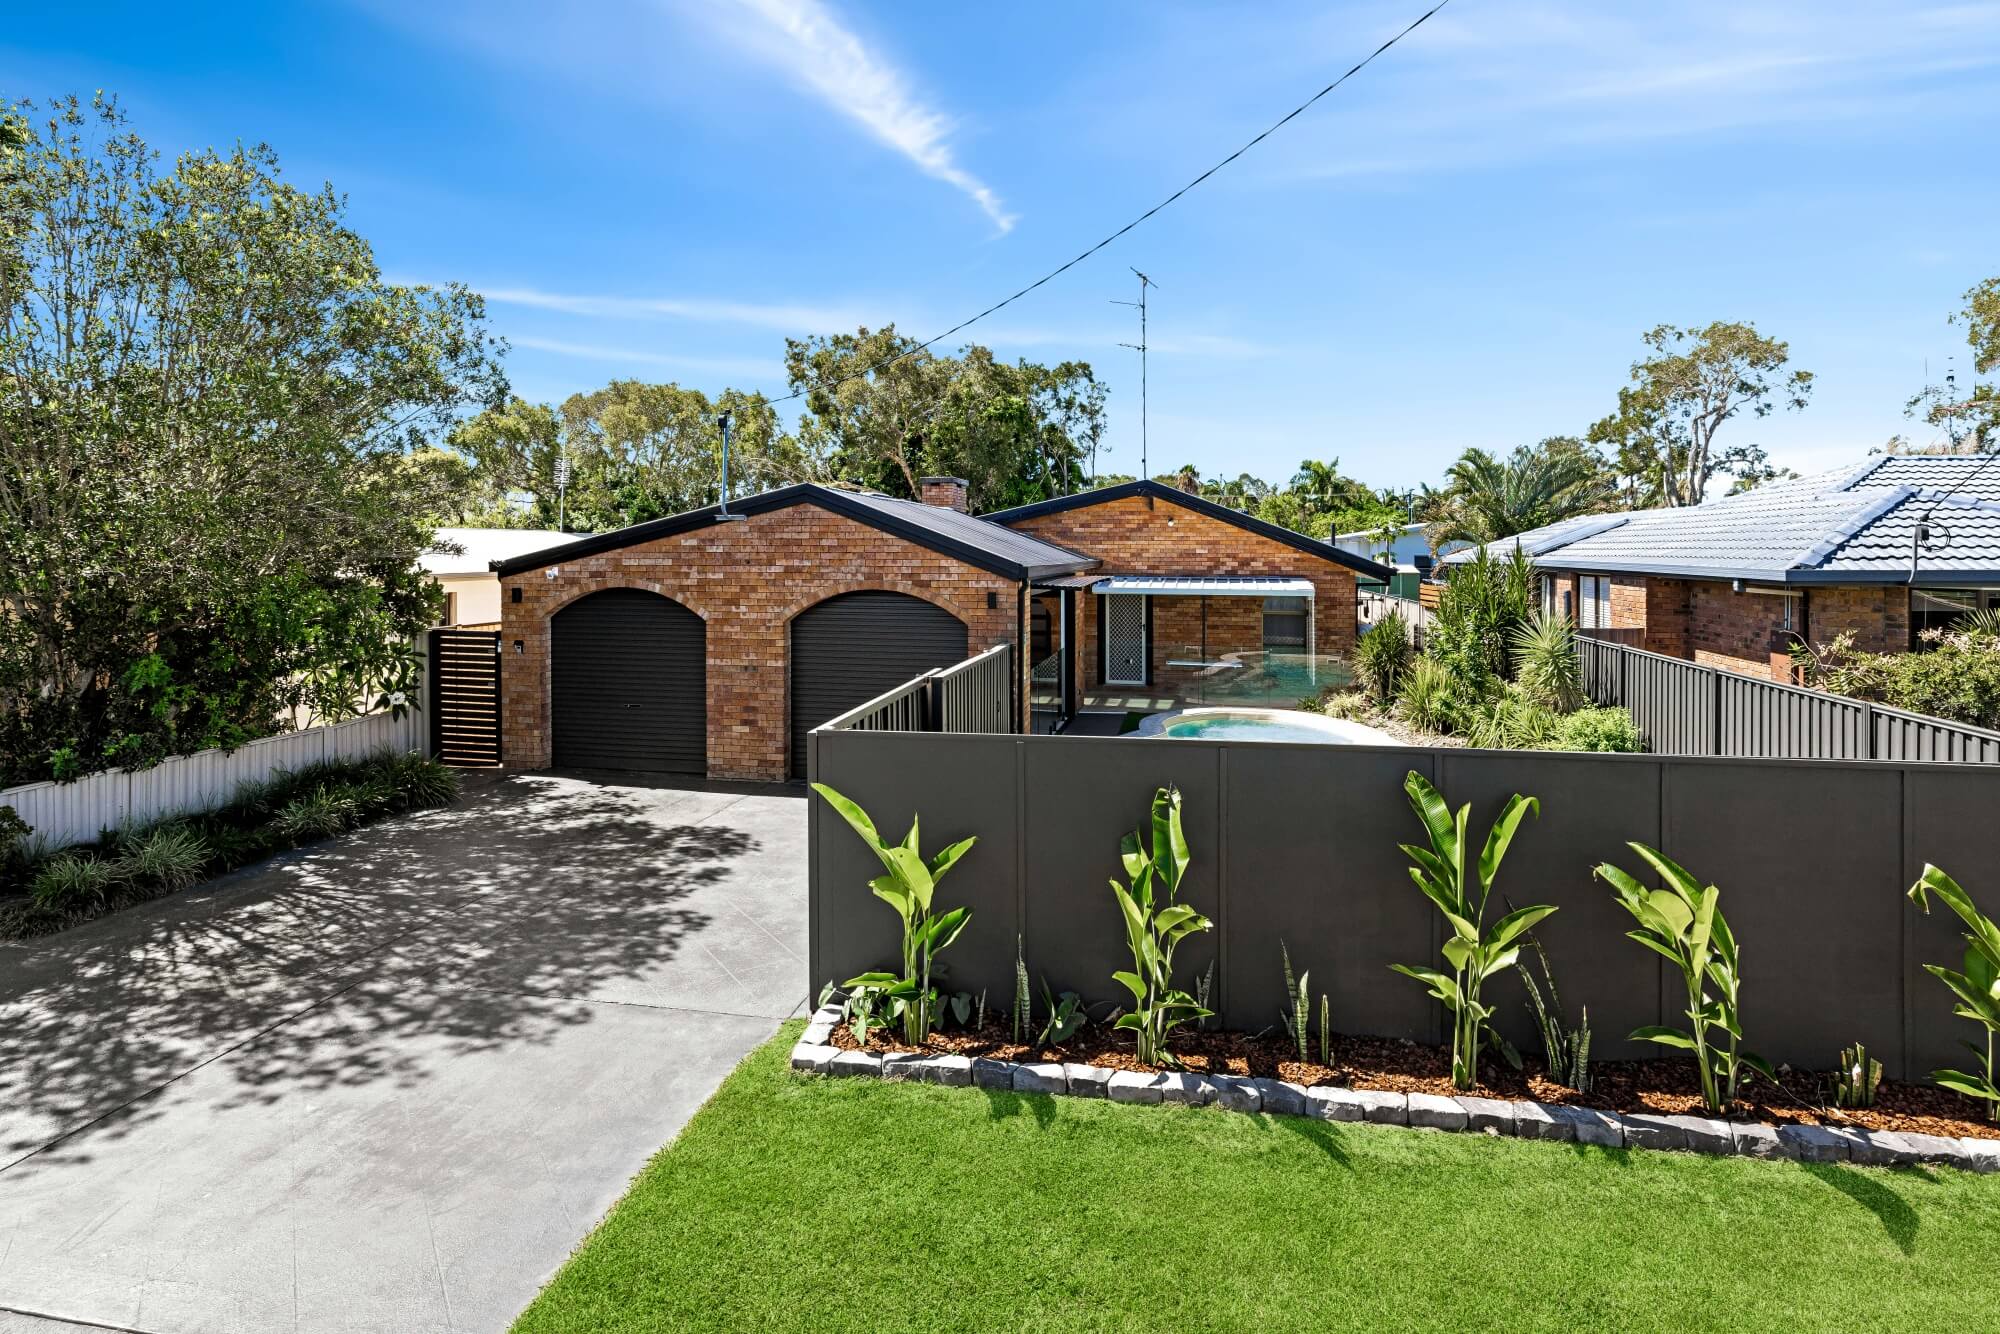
[795,1202]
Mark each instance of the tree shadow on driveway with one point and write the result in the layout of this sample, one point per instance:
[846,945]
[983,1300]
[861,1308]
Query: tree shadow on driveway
[501,920]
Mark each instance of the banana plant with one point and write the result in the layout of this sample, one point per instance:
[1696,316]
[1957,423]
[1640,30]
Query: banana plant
[1460,889]
[1155,925]
[1683,922]
[910,888]
[1977,987]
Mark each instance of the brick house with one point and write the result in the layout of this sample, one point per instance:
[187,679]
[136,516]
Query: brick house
[1885,550]
[711,643]
[1184,587]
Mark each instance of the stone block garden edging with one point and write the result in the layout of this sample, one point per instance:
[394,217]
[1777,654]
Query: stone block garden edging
[814,1054]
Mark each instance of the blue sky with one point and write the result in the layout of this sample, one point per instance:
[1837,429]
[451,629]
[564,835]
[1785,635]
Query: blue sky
[1460,247]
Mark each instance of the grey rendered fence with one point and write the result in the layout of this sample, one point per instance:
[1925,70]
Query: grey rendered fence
[1685,708]
[1297,844]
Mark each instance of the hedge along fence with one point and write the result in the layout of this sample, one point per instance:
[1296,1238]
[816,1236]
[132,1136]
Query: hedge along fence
[66,813]
[1298,843]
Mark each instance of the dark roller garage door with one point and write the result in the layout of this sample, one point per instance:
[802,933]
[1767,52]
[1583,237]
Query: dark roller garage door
[849,649]
[630,684]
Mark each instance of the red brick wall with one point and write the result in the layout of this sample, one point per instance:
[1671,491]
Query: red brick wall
[1130,538]
[746,580]
[1741,632]
[1879,616]
[1666,617]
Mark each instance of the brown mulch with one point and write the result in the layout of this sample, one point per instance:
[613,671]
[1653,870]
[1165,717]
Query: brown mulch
[1395,1066]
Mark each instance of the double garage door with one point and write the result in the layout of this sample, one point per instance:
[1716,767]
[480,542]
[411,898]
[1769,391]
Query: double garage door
[629,688]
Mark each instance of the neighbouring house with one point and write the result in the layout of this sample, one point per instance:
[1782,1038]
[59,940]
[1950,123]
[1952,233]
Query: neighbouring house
[1410,551]
[1884,551]
[462,559]
[712,643]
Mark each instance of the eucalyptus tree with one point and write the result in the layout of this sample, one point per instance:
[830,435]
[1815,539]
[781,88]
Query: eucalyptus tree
[1664,433]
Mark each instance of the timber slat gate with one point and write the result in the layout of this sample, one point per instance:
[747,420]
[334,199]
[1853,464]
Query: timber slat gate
[465,697]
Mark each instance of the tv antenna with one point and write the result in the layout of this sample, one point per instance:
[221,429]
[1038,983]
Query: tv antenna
[1140,347]
[722,514]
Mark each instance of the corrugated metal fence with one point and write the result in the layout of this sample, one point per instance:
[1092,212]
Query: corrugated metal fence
[1685,708]
[64,813]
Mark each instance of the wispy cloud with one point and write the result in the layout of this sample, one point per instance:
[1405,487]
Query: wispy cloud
[805,40]
[795,320]
[745,368]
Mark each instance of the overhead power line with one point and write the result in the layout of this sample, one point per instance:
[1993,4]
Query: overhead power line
[1058,271]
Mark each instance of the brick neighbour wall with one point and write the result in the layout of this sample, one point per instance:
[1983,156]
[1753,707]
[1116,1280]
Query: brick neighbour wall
[746,580]
[1879,616]
[1666,617]
[1740,632]
[1130,538]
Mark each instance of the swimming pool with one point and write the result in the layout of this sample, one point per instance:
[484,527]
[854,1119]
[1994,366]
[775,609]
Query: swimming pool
[1264,725]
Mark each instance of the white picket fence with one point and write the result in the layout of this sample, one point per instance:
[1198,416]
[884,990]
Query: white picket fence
[64,813]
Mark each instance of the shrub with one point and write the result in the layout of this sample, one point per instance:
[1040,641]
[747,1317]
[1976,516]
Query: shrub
[1600,730]
[1461,892]
[1428,698]
[71,882]
[1514,721]
[1483,602]
[1957,676]
[422,782]
[1155,925]
[326,810]
[910,888]
[1546,665]
[14,833]
[1684,923]
[1382,655]
[170,856]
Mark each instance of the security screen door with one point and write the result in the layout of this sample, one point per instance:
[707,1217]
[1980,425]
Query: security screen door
[1124,639]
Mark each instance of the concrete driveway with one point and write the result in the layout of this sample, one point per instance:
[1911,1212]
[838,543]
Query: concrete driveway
[389,1082]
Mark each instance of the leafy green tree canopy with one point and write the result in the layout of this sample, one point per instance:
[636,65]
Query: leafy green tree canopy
[885,413]
[1694,383]
[1487,499]
[207,396]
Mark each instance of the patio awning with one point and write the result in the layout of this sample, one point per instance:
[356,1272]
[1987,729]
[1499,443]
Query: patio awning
[1205,586]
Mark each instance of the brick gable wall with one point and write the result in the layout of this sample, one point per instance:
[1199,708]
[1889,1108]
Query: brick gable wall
[746,580]
[1131,538]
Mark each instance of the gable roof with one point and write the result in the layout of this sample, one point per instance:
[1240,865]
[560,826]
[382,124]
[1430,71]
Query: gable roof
[1326,551]
[1851,525]
[974,541]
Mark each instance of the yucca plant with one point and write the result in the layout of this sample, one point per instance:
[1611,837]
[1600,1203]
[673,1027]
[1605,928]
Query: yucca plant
[1855,1082]
[1460,889]
[910,888]
[1977,986]
[1155,925]
[1426,696]
[1546,665]
[1683,922]
[1382,655]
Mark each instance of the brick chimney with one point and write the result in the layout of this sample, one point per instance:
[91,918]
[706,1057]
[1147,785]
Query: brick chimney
[946,491]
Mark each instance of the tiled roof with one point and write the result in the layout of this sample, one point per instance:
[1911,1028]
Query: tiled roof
[1853,525]
[998,541]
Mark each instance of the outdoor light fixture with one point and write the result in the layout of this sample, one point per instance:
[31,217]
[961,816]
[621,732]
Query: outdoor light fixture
[552,572]
[518,648]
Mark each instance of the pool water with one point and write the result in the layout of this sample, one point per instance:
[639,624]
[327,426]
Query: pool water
[1228,728]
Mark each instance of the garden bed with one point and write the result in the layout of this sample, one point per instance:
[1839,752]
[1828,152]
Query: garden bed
[43,891]
[1388,1065]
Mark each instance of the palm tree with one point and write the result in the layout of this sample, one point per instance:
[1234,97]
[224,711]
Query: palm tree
[1488,499]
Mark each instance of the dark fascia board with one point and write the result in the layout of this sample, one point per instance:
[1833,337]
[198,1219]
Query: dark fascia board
[1326,551]
[803,493]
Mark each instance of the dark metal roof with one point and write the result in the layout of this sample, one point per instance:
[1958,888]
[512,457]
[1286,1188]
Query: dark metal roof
[1326,551]
[974,541]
